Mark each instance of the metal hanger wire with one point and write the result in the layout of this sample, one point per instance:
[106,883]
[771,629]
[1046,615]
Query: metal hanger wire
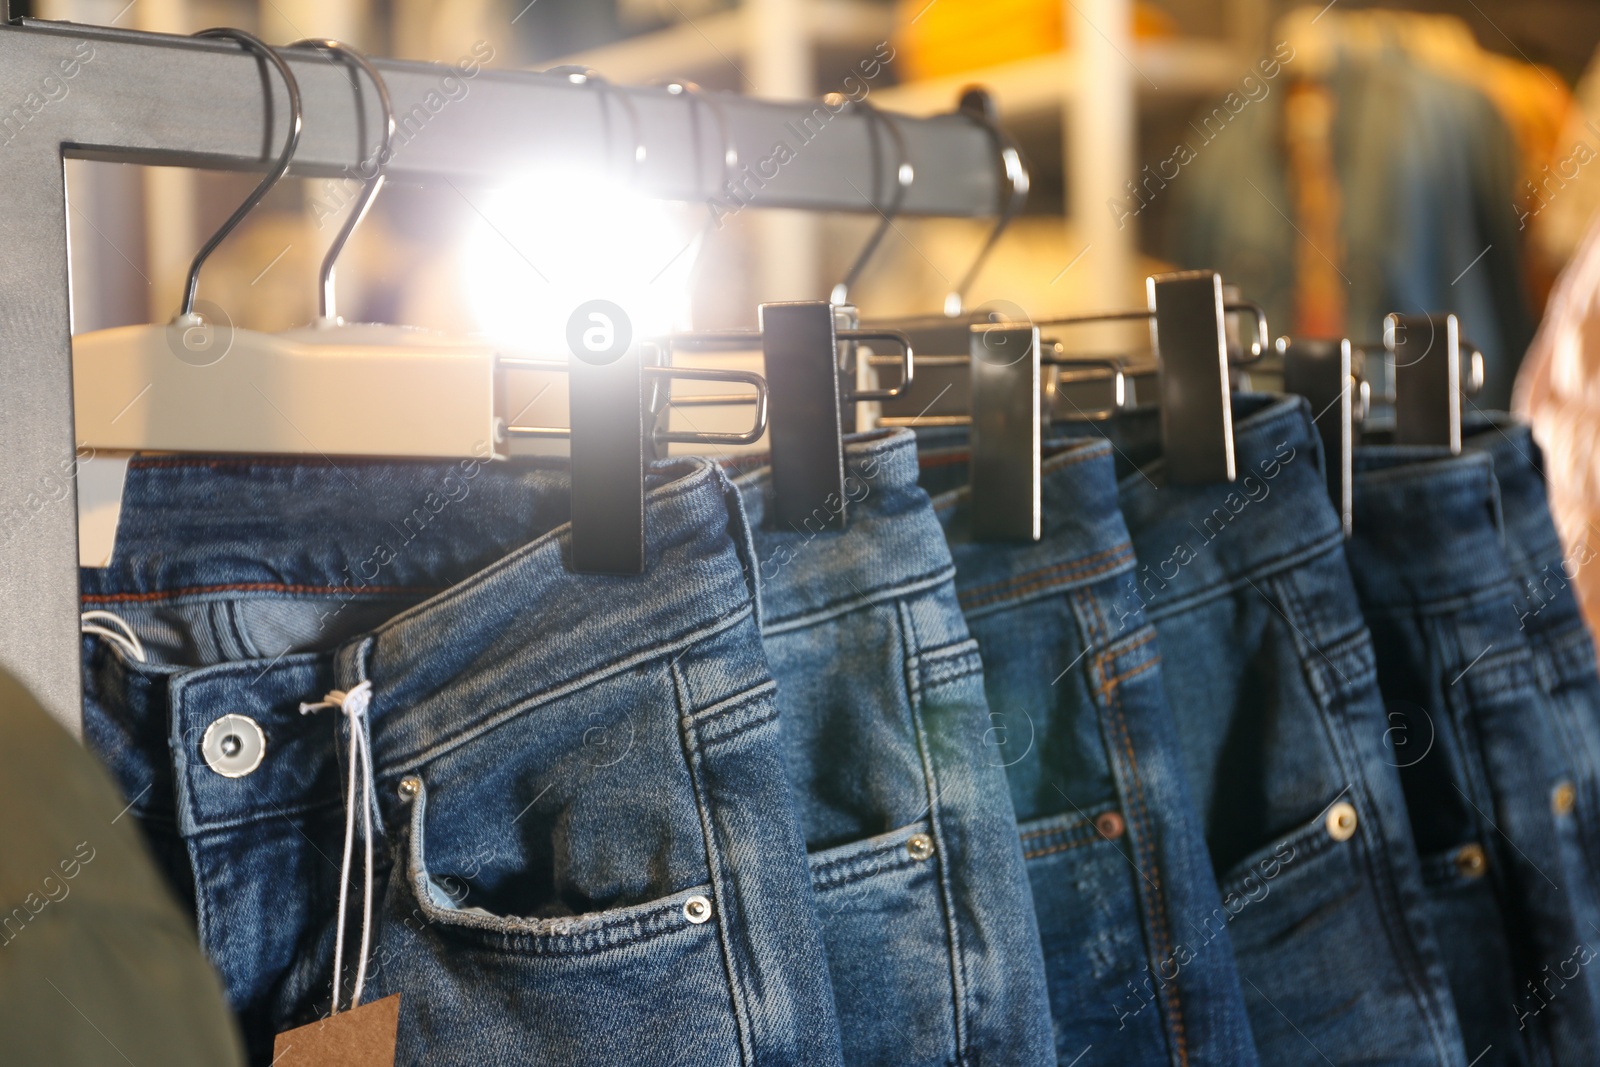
[291,141]
[904,175]
[326,307]
[977,105]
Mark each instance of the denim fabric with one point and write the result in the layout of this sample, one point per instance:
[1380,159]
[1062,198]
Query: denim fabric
[1137,948]
[916,869]
[592,752]
[1549,616]
[1270,673]
[1479,756]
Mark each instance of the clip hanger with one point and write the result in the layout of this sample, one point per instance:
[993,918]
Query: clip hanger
[1188,332]
[800,342]
[1004,465]
[1330,375]
[1425,354]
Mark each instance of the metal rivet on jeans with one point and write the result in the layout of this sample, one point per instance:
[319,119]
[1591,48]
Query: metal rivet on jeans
[920,846]
[410,786]
[1110,825]
[1564,798]
[233,746]
[1470,861]
[1341,821]
[697,909]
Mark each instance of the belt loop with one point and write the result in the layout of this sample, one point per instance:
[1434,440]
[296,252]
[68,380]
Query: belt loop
[744,539]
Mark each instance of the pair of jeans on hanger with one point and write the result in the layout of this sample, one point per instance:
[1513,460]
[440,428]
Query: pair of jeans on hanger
[1267,719]
[588,847]
[1495,725]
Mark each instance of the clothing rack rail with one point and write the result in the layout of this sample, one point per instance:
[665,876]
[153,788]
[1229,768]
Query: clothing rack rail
[106,94]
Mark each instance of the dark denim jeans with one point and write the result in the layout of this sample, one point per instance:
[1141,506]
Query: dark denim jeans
[1270,673]
[916,869]
[1548,613]
[583,756]
[1136,937]
[1481,762]
[1549,616]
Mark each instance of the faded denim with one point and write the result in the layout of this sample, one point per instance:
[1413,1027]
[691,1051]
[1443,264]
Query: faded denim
[1136,939]
[916,868]
[590,752]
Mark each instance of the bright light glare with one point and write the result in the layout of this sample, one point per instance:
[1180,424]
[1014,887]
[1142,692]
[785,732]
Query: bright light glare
[549,243]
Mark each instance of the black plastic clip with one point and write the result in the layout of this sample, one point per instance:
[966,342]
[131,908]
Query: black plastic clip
[799,343]
[1325,373]
[1006,431]
[1425,351]
[1188,330]
[606,402]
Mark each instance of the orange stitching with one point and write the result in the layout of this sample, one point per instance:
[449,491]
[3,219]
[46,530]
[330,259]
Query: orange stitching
[255,587]
[1010,588]
[1132,672]
[1063,847]
[1055,830]
[266,461]
[1120,547]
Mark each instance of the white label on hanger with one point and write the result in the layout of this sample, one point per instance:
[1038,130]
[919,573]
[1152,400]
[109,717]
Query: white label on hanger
[100,481]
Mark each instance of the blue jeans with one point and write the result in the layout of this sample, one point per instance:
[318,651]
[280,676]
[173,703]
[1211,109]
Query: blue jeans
[1136,938]
[1549,616]
[588,852]
[1270,672]
[1478,754]
[916,869]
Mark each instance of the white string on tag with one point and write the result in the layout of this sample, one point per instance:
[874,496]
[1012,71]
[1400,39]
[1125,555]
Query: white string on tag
[123,636]
[354,706]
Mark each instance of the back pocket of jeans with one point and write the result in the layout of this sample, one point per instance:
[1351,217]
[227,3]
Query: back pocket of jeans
[888,945]
[634,984]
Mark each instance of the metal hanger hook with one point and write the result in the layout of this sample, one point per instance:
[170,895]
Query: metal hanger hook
[729,154]
[326,308]
[581,75]
[250,43]
[978,105]
[904,175]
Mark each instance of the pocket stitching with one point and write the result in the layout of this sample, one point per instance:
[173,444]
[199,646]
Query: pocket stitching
[595,932]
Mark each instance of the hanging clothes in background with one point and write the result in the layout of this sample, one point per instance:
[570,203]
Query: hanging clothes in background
[1559,201]
[1382,180]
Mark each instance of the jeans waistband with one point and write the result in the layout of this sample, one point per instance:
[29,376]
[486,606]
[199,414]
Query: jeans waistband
[1084,538]
[305,574]
[1194,540]
[1531,539]
[1427,527]
[896,544]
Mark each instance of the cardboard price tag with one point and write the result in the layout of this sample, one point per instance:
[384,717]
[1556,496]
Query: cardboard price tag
[360,1037]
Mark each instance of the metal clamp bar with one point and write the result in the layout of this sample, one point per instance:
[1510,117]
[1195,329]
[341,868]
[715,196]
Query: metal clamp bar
[1086,369]
[1324,372]
[1187,331]
[1005,464]
[1263,341]
[1427,379]
[906,359]
[701,374]
[907,363]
